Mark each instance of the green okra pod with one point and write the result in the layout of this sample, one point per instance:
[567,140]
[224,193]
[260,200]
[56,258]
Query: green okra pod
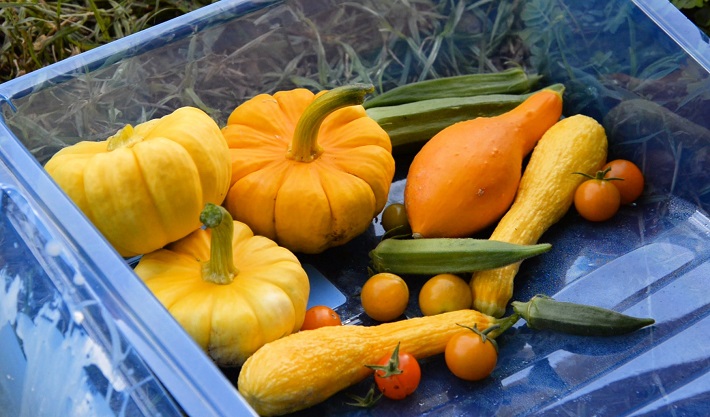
[411,125]
[430,256]
[509,81]
[545,313]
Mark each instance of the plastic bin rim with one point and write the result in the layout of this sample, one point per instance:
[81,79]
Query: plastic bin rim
[130,45]
[679,28]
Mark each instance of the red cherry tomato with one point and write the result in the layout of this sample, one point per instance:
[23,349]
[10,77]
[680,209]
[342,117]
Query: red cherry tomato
[630,182]
[397,375]
[320,316]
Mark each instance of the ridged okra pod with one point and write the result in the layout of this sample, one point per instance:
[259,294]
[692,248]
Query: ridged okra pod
[510,81]
[430,256]
[545,313]
[410,125]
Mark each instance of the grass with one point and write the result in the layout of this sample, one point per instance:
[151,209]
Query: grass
[37,33]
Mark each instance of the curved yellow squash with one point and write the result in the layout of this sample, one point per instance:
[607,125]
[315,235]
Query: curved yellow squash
[306,368]
[575,144]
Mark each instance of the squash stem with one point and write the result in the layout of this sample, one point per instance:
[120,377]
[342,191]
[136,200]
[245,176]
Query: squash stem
[304,147]
[220,268]
[122,138]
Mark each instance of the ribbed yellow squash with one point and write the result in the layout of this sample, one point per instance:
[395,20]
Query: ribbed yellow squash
[231,291]
[145,186]
[573,145]
[309,171]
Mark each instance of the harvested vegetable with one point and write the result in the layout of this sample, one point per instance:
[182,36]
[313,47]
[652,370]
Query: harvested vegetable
[470,354]
[631,180]
[320,316]
[394,219]
[441,255]
[232,291]
[411,125]
[597,199]
[442,293]
[145,186]
[545,194]
[510,81]
[384,296]
[465,178]
[305,368]
[308,171]
[545,313]
[397,375]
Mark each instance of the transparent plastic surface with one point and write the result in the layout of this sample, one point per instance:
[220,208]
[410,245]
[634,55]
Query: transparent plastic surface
[637,67]
[62,353]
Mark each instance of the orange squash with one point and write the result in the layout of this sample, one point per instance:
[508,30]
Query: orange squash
[309,171]
[465,178]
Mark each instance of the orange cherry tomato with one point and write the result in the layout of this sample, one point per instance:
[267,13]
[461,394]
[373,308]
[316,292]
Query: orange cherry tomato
[597,199]
[384,296]
[444,292]
[631,180]
[394,218]
[471,355]
[320,316]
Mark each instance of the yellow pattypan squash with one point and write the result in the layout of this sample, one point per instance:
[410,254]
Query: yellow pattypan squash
[309,171]
[230,290]
[145,186]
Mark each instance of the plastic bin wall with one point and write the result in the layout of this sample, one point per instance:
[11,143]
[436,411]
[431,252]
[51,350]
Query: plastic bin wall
[78,326]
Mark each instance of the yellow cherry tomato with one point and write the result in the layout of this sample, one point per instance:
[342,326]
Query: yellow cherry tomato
[443,293]
[384,296]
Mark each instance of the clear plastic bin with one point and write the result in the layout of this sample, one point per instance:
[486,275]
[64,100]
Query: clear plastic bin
[81,335]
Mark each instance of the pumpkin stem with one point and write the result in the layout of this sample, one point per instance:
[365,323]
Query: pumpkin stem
[304,147]
[220,268]
[122,138]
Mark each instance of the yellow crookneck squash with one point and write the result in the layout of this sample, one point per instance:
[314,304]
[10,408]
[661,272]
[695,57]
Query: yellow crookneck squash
[145,186]
[231,290]
[310,171]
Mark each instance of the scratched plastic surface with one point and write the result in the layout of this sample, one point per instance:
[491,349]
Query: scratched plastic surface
[638,67]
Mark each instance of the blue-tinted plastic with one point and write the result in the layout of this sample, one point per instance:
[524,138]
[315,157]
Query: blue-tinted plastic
[639,67]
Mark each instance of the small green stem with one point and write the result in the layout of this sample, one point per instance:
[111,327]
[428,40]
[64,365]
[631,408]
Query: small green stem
[220,268]
[502,325]
[599,175]
[304,147]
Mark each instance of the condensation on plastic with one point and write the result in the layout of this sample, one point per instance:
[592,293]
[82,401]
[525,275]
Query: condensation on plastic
[653,259]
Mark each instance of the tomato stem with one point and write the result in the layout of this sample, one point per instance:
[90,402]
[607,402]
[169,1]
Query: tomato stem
[392,366]
[304,147]
[599,175]
[368,400]
[219,269]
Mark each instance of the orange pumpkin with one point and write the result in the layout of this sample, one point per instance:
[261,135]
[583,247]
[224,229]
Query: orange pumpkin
[308,171]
